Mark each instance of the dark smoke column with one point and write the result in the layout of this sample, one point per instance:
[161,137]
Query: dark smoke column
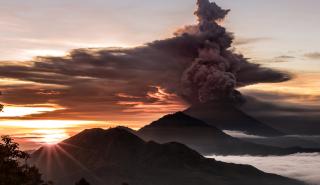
[212,76]
[217,72]
[210,83]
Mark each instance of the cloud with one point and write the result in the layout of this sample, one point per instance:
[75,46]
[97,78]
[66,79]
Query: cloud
[282,58]
[158,77]
[298,166]
[90,82]
[285,57]
[239,134]
[314,55]
[245,41]
[305,141]
[270,103]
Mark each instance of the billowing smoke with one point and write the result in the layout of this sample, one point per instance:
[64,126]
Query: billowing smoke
[209,13]
[214,75]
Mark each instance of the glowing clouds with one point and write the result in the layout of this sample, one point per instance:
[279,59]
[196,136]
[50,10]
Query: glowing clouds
[45,124]
[160,102]
[50,136]
[17,111]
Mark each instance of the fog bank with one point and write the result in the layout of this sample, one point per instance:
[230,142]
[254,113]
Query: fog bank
[304,167]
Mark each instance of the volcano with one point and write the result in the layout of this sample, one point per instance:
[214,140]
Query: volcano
[227,116]
[205,138]
[116,156]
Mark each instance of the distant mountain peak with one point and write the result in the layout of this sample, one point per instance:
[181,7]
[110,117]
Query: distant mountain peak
[178,119]
[227,116]
[94,138]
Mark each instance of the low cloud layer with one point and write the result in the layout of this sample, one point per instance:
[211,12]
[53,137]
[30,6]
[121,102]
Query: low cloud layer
[311,141]
[298,166]
[242,135]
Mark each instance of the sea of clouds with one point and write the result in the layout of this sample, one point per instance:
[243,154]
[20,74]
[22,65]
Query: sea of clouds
[304,167]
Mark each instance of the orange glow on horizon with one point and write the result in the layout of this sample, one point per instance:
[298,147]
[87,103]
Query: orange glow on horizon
[16,111]
[46,124]
[50,137]
[305,88]
[33,133]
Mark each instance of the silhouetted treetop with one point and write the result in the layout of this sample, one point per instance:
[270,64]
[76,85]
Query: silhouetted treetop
[14,169]
[82,181]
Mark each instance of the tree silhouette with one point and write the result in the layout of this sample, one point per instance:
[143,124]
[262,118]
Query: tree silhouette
[1,106]
[82,181]
[14,169]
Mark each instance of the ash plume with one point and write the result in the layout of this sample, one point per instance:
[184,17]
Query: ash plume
[216,73]
[197,64]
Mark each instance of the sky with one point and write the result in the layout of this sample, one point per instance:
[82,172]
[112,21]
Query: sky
[39,106]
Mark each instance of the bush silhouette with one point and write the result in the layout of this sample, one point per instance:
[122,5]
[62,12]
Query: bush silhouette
[82,181]
[14,169]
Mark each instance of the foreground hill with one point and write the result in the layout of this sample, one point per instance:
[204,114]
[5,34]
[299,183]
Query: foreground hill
[205,138]
[116,156]
[226,116]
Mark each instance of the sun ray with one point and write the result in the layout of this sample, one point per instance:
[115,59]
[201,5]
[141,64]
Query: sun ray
[78,163]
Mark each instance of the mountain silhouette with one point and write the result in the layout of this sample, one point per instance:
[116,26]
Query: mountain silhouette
[205,138]
[226,116]
[116,156]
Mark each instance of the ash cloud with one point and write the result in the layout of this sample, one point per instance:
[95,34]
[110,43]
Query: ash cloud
[196,65]
[217,72]
[276,110]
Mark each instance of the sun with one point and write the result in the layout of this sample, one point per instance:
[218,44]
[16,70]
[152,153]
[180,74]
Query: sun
[50,137]
[46,132]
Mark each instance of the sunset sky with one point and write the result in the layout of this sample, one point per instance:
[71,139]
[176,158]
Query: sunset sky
[45,105]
